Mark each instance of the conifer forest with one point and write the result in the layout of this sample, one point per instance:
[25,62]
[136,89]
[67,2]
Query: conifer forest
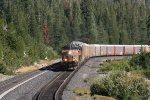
[29,29]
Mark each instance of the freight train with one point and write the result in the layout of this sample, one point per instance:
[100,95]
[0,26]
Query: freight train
[78,51]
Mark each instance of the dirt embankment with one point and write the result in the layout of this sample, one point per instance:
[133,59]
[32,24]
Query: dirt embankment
[26,69]
[36,66]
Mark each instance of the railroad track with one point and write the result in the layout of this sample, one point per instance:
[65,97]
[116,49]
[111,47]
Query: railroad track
[5,85]
[12,85]
[54,89]
[56,77]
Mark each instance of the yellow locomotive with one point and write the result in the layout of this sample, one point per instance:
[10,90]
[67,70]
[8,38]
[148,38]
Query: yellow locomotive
[70,56]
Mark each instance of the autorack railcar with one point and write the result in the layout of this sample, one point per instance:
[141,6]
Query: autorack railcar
[91,50]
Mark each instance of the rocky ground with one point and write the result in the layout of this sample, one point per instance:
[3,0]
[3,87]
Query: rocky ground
[5,77]
[89,69]
[78,83]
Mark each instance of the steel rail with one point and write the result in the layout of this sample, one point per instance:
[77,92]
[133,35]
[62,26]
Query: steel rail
[59,92]
[55,86]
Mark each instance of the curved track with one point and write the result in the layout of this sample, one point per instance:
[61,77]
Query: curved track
[48,92]
[47,83]
[54,89]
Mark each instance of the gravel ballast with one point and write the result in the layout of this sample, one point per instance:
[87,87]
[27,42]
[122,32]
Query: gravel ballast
[29,89]
[88,70]
[4,77]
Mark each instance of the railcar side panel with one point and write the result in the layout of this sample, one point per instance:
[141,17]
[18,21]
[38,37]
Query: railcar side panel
[129,49]
[110,50]
[84,51]
[119,50]
[147,49]
[92,48]
[103,50]
[90,51]
[137,49]
[97,50]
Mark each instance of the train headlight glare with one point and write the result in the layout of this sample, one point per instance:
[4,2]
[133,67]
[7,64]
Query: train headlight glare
[65,59]
[69,52]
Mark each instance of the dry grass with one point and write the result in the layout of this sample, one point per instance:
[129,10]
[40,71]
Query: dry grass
[36,66]
[26,69]
[84,97]
[88,97]
[81,90]
[147,80]
[137,75]
[98,97]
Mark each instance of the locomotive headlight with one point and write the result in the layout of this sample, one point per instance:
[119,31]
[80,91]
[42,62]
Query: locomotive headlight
[73,59]
[69,52]
[65,59]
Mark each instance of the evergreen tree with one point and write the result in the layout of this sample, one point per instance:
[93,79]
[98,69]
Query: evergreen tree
[124,38]
[102,34]
[134,27]
[143,26]
[58,36]
[89,18]
[113,29]
[76,21]
[148,29]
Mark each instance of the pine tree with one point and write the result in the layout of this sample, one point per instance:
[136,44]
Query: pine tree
[102,34]
[113,29]
[143,26]
[90,21]
[58,35]
[148,29]
[134,27]
[76,21]
[124,38]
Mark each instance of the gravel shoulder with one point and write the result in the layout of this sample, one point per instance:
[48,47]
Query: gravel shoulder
[5,77]
[88,70]
[29,89]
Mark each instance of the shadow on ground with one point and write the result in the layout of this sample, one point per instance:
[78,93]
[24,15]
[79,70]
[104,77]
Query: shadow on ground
[57,67]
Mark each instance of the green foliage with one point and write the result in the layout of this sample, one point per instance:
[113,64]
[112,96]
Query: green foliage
[141,61]
[2,69]
[100,21]
[121,65]
[138,64]
[121,86]
[147,73]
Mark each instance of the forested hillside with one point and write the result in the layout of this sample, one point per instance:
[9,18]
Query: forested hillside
[28,27]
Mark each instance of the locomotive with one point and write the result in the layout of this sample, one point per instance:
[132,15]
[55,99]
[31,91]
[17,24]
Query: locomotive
[71,54]
[79,51]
